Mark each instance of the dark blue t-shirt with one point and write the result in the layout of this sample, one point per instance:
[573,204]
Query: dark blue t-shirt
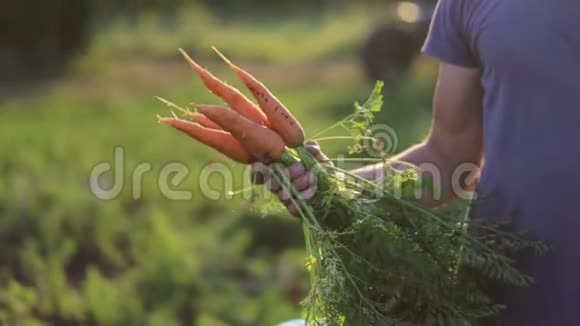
[529,55]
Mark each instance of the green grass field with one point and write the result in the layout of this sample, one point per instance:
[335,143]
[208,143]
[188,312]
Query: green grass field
[70,258]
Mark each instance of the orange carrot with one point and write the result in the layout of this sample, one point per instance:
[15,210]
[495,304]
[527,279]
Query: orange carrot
[281,120]
[261,142]
[232,96]
[219,140]
[204,121]
[197,117]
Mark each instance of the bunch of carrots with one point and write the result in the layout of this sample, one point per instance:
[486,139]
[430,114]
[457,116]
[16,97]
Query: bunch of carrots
[245,133]
[375,258]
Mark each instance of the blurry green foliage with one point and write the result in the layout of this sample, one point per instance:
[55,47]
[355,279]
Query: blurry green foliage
[69,258]
[252,8]
[294,38]
[40,37]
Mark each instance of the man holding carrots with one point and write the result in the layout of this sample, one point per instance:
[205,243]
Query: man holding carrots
[508,91]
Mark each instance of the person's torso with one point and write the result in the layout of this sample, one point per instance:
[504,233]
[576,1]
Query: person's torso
[529,51]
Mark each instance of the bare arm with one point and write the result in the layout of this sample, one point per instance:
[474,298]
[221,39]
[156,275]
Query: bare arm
[455,139]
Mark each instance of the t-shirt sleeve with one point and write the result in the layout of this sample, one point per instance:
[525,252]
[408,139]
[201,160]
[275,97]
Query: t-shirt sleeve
[448,39]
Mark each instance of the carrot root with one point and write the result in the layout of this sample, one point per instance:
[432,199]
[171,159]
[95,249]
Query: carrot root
[281,120]
[235,99]
[219,140]
[260,141]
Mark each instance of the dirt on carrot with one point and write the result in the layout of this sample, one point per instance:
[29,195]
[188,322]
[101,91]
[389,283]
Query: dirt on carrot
[235,99]
[281,120]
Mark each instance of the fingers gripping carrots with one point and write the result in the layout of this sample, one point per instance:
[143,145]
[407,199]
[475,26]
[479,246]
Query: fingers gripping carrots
[219,140]
[235,99]
[281,120]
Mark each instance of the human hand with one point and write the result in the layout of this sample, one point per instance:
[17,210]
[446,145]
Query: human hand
[303,181]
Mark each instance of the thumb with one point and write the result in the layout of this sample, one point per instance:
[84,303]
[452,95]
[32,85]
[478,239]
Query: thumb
[314,149]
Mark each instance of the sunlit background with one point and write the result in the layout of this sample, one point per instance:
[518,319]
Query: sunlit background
[78,80]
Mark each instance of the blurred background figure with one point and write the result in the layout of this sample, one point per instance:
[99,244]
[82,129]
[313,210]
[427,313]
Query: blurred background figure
[77,86]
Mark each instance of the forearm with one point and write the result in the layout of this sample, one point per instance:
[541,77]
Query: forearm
[451,175]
